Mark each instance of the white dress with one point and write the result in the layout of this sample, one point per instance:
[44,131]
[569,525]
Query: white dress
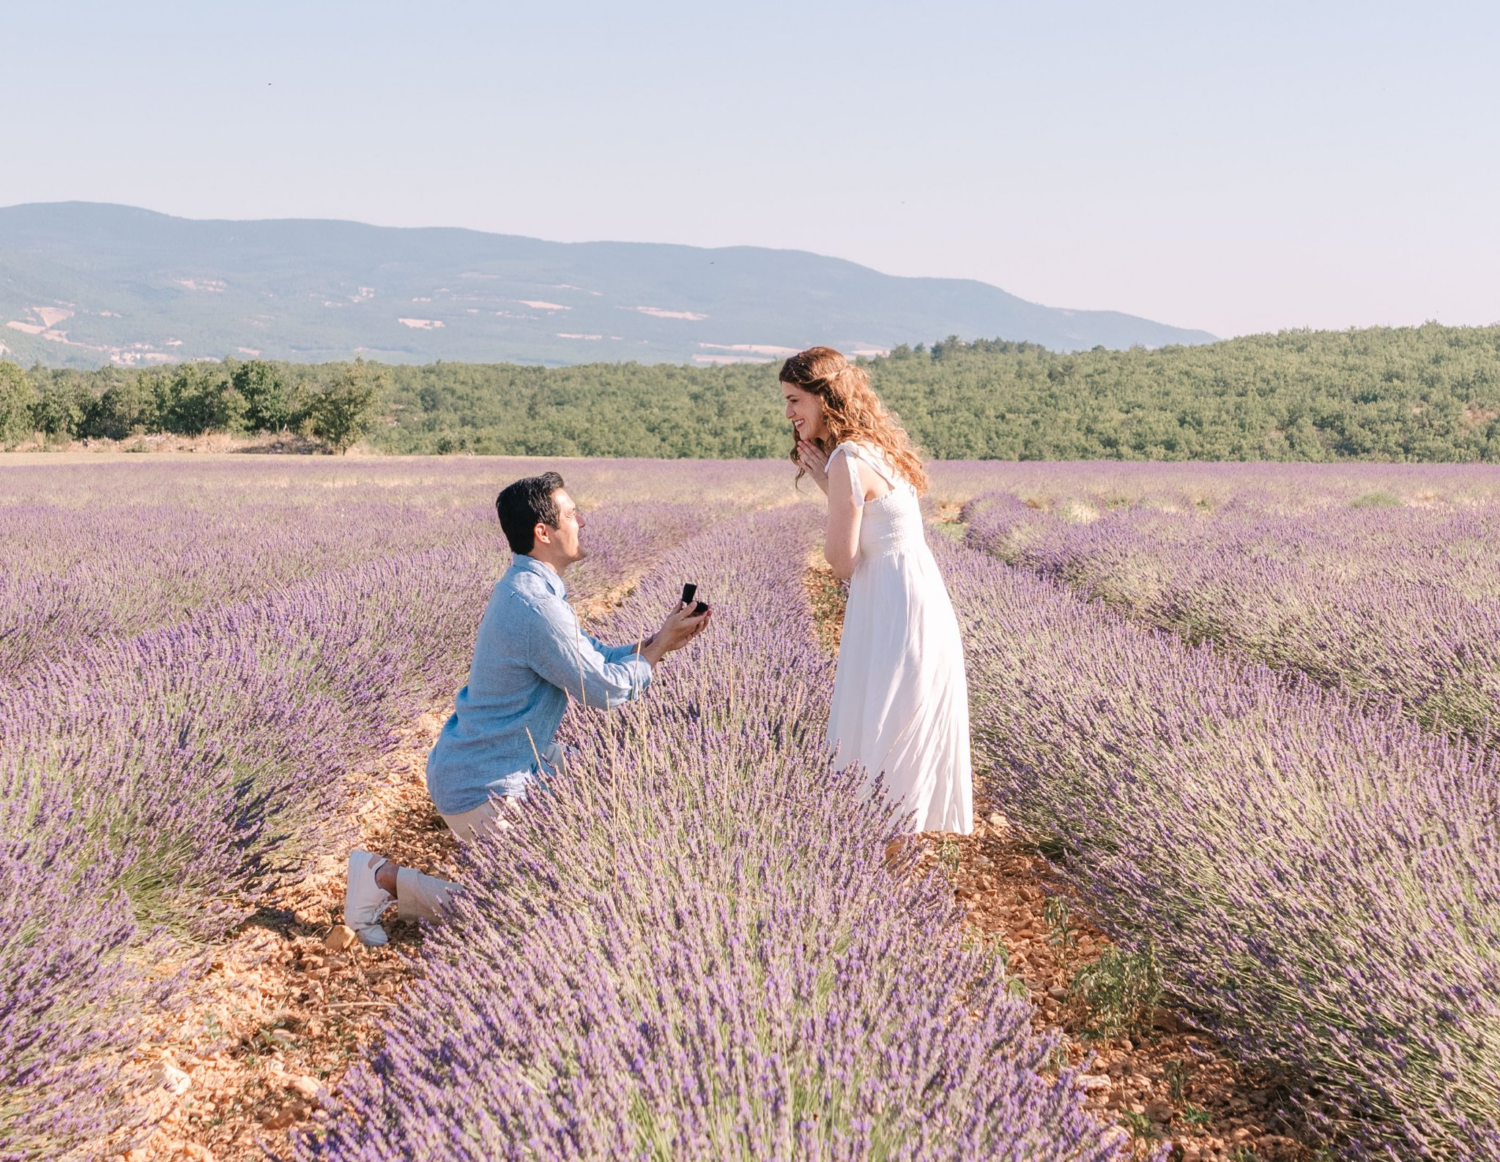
[900,697]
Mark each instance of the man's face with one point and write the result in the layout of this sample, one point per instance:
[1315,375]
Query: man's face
[570,523]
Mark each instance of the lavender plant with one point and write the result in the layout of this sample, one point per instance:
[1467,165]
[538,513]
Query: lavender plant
[1397,601]
[68,995]
[156,780]
[689,946]
[1318,877]
[120,562]
[1103,485]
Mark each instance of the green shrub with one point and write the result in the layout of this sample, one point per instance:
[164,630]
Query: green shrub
[17,399]
[1118,991]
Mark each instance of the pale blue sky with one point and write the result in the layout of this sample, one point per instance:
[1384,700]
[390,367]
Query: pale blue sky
[1236,167]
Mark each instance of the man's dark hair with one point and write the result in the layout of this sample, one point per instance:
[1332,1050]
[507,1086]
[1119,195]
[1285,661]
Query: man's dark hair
[523,505]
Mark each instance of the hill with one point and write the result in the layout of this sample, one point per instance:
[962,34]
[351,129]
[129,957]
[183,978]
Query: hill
[85,284]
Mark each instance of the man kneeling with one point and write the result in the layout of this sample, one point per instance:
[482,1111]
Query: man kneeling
[529,658]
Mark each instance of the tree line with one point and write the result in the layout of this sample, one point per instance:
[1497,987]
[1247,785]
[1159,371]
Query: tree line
[1428,393]
[335,403]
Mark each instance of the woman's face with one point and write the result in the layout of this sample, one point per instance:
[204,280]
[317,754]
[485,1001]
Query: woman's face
[805,410]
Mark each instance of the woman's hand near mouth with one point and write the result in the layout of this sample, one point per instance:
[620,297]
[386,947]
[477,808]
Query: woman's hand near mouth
[814,461]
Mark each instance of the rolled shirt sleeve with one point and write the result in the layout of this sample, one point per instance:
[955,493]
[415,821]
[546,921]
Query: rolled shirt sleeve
[614,653]
[594,675]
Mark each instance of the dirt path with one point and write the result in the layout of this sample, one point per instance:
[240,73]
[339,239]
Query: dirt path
[1161,1079]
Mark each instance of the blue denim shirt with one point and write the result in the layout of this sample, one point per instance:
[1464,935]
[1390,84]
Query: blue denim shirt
[530,657]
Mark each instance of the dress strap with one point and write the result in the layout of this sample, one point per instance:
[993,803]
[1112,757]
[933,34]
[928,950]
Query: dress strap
[875,460]
[847,460]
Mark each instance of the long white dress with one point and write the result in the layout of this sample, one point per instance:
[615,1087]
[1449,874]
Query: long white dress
[900,696]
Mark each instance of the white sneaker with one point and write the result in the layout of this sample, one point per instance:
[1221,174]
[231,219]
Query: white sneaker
[364,899]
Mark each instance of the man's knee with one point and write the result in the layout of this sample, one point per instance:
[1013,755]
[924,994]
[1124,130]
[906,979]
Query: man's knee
[490,813]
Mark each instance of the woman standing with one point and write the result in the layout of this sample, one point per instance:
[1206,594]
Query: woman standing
[900,698]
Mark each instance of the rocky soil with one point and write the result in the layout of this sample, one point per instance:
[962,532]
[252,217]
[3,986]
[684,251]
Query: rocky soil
[1163,1080]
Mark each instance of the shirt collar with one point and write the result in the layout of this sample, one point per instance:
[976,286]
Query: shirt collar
[549,575]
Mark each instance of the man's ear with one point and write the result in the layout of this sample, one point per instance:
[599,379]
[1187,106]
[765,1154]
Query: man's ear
[542,532]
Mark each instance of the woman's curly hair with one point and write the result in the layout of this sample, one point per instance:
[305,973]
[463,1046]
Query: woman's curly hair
[852,411]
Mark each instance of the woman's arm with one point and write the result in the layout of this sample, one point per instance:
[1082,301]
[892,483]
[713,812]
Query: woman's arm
[841,540]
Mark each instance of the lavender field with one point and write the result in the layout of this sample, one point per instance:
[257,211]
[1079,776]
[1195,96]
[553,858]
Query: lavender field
[1247,707]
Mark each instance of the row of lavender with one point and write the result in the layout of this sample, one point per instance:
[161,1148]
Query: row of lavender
[1090,487]
[162,780]
[105,550]
[691,946]
[96,574]
[99,551]
[1393,600]
[151,784]
[1318,877]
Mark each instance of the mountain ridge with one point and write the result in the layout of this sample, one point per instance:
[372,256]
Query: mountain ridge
[85,283]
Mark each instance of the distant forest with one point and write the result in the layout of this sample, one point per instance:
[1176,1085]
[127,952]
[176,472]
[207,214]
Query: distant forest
[1427,393]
